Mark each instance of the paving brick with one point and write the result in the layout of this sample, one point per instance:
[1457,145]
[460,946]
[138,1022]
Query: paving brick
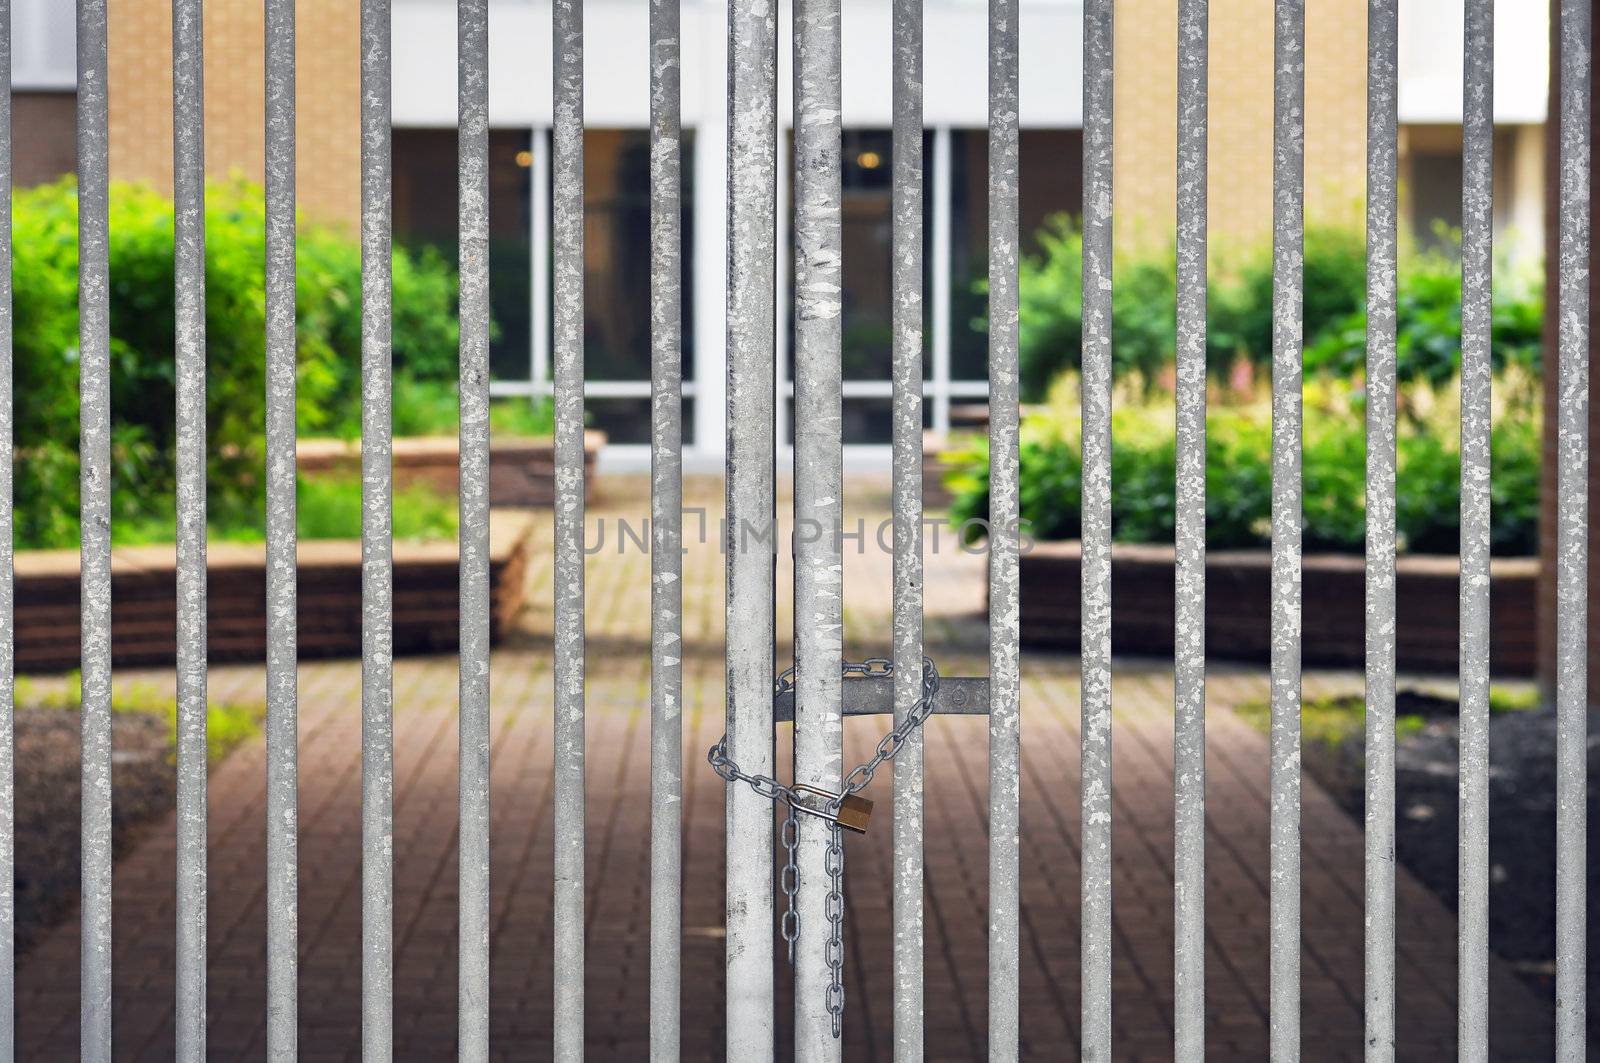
[618,857]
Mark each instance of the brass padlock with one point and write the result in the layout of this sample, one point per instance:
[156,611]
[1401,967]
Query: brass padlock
[854,811]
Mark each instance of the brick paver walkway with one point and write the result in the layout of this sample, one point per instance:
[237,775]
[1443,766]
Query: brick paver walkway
[618,823]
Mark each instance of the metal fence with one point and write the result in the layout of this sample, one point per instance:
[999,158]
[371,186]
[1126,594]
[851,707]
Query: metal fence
[820,699]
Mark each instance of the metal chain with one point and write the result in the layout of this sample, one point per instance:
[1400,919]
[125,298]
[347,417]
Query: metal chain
[857,780]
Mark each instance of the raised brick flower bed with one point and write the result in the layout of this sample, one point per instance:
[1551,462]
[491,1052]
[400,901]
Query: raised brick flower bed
[521,471]
[144,607]
[1238,624]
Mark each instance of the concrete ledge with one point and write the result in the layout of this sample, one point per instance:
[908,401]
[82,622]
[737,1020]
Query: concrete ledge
[144,605]
[521,471]
[1238,588]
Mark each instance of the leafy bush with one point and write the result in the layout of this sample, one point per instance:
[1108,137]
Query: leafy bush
[1239,473]
[424,407]
[142,342]
[1239,320]
[1144,300]
[1428,326]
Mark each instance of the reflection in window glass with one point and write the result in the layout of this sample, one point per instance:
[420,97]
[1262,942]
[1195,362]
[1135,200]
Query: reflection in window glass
[1051,181]
[616,247]
[425,193]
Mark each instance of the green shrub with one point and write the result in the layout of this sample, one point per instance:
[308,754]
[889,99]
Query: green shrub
[1428,326]
[431,407]
[1239,474]
[327,507]
[1239,320]
[142,342]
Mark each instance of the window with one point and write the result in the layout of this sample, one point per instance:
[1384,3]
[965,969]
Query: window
[44,40]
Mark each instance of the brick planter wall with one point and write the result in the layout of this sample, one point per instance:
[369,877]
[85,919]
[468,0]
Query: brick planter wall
[521,471]
[144,606]
[1238,586]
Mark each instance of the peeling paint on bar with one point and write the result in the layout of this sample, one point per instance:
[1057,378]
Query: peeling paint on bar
[1572,529]
[818,493]
[1098,51]
[1288,243]
[282,709]
[189,293]
[752,197]
[1382,169]
[377,541]
[1477,272]
[1005,665]
[1189,648]
[567,172]
[906,484]
[472,1003]
[666,532]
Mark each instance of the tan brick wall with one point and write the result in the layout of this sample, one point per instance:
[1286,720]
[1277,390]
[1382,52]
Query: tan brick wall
[327,80]
[1240,84]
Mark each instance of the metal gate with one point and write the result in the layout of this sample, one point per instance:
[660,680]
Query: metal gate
[821,698]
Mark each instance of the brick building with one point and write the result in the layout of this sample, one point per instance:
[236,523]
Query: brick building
[616,174]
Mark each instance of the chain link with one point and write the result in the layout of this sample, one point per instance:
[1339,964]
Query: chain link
[857,780]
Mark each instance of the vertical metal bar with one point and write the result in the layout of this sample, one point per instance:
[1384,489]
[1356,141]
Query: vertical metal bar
[189,293]
[377,541]
[1477,275]
[666,531]
[567,25]
[940,280]
[539,268]
[906,469]
[1288,241]
[282,576]
[1382,164]
[818,493]
[94,368]
[783,213]
[1098,50]
[752,179]
[472,1003]
[1189,654]
[1005,671]
[1572,530]
[8,980]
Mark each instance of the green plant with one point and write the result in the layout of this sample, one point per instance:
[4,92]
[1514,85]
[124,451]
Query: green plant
[1239,320]
[142,344]
[1239,472]
[422,407]
[227,724]
[1428,325]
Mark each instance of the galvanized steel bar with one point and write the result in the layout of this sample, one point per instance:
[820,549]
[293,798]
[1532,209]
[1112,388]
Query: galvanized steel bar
[377,541]
[282,577]
[567,26]
[1477,275]
[189,294]
[1288,243]
[95,516]
[8,980]
[1098,50]
[1005,666]
[1572,527]
[1189,650]
[666,532]
[752,196]
[94,369]
[818,494]
[906,477]
[472,1003]
[1382,167]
